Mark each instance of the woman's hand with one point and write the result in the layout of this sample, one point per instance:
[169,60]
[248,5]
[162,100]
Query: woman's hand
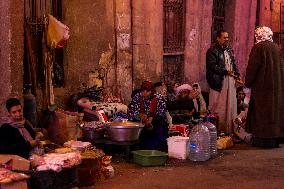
[143,118]
[148,123]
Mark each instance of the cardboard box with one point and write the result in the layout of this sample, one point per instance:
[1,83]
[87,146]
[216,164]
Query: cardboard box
[15,185]
[19,163]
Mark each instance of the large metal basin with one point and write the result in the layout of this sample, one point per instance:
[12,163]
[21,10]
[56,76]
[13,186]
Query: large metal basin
[124,131]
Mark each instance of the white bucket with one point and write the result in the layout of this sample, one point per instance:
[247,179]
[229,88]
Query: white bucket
[178,147]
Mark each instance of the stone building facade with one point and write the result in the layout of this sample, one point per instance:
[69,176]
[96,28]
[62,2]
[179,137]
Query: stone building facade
[133,33]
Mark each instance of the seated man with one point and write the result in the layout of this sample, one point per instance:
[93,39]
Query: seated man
[182,109]
[149,107]
[17,136]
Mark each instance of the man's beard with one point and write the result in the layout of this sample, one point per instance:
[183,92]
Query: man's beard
[18,119]
[226,44]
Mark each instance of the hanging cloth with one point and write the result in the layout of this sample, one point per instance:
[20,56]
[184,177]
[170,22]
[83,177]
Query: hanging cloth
[57,33]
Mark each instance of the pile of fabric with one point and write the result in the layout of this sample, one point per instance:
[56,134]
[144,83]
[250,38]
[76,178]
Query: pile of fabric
[7,176]
[56,161]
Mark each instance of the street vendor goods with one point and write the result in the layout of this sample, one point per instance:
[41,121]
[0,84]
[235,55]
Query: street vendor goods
[89,171]
[78,145]
[124,130]
[225,142]
[108,108]
[199,143]
[57,33]
[55,161]
[179,129]
[93,130]
[64,126]
[7,176]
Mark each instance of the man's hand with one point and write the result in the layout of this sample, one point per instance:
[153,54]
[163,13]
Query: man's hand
[148,123]
[193,94]
[34,143]
[231,73]
[239,82]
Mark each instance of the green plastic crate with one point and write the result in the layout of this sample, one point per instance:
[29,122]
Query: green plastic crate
[149,157]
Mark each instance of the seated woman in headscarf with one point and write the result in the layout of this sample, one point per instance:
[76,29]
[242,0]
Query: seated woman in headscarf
[182,109]
[199,102]
[149,107]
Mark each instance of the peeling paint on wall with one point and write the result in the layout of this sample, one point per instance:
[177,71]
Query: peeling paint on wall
[192,39]
[123,41]
[192,35]
[123,22]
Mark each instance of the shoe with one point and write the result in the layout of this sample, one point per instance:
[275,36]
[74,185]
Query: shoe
[242,134]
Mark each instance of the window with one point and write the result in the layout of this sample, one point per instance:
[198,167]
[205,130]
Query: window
[218,18]
[173,26]
[174,39]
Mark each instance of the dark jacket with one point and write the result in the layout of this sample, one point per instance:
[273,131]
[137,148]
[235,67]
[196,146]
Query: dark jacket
[215,66]
[265,77]
[12,142]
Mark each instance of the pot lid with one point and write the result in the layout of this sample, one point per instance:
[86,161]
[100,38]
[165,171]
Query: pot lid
[125,122]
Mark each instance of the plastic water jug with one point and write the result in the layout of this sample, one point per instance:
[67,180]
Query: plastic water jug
[199,143]
[213,137]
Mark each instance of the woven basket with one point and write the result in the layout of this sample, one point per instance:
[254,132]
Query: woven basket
[65,179]
[89,172]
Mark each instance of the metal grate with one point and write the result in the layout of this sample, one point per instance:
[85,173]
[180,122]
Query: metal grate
[174,26]
[174,40]
[218,17]
[173,69]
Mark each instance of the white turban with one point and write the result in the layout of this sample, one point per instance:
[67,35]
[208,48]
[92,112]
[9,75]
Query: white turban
[263,33]
[183,88]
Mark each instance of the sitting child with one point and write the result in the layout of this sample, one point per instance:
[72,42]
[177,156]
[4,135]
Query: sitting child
[240,120]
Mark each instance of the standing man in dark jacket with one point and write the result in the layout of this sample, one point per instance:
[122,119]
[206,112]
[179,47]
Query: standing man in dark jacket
[265,77]
[221,72]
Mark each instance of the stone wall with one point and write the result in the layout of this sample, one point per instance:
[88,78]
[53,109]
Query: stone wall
[240,23]
[123,54]
[91,26]
[133,32]
[270,14]
[147,19]
[198,40]
[11,50]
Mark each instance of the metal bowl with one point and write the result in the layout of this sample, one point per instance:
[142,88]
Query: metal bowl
[124,130]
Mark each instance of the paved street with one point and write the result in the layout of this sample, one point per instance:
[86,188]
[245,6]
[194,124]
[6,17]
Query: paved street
[240,167]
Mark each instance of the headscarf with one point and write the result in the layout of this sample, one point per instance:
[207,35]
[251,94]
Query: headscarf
[21,128]
[183,87]
[147,85]
[198,87]
[263,33]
